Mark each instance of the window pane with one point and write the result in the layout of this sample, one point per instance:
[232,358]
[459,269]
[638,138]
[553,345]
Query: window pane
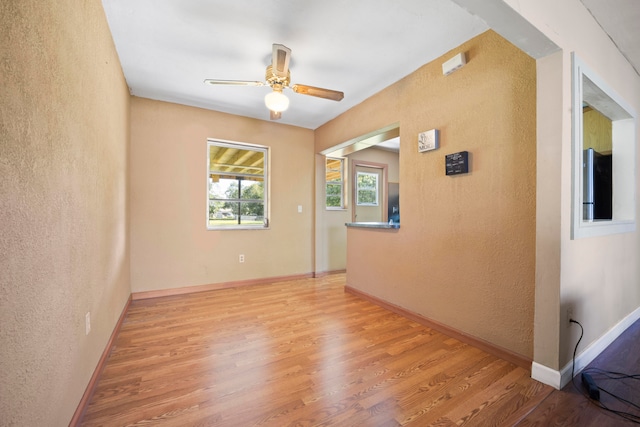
[334,195]
[236,159]
[366,197]
[334,170]
[334,179]
[367,188]
[334,189]
[237,178]
[334,201]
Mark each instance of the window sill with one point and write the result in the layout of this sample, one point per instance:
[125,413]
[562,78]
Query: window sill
[237,228]
[378,225]
[602,228]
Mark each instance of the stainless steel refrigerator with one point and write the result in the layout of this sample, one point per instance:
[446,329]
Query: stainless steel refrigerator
[597,186]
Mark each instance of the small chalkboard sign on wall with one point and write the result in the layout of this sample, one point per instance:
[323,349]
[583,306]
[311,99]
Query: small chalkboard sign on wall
[457,163]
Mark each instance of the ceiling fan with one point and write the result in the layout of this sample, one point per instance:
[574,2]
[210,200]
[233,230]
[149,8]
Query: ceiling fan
[278,77]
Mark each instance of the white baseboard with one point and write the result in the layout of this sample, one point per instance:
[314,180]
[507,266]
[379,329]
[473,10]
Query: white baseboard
[558,379]
[546,375]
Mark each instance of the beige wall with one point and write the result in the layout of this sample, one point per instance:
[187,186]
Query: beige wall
[64,112]
[376,155]
[465,252]
[596,132]
[598,277]
[170,245]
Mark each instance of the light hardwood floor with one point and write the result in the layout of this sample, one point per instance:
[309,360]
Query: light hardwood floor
[298,353]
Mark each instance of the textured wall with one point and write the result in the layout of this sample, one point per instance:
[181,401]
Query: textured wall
[596,133]
[465,252]
[170,245]
[63,204]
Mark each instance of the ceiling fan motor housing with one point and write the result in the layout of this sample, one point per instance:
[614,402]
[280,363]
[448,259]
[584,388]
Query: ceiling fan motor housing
[274,80]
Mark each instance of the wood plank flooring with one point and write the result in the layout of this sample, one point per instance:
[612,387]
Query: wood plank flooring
[298,353]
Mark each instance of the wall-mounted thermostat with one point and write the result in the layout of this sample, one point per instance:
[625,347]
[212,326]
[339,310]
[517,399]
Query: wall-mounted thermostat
[429,140]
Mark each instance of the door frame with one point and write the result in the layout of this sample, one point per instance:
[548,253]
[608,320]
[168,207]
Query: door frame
[382,187]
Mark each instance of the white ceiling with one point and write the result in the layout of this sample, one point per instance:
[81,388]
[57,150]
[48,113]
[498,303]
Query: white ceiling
[168,47]
[621,20]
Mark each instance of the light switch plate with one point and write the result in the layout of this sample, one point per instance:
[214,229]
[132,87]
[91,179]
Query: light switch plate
[429,140]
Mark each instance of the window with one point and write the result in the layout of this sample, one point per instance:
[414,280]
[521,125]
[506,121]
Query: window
[367,189]
[604,157]
[334,177]
[236,185]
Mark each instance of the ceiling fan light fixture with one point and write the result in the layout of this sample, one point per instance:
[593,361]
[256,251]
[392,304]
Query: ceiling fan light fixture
[278,76]
[276,101]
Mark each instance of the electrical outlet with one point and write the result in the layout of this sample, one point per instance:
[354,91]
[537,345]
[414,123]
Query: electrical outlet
[241,258]
[87,323]
[569,316]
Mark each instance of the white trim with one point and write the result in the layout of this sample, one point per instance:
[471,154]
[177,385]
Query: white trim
[266,176]
[546,375]
[624,123]
[558,379]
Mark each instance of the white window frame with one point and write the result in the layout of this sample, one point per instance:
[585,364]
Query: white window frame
[341,184]
[265,177]
[591,89]
[377,176]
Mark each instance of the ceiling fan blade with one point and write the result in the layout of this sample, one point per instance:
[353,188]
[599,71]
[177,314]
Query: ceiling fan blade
[280,60]
[275,115]
[319,92]
[233,82]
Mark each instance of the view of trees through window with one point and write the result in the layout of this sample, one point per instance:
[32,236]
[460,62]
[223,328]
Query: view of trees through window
[367,188]
[334,180]
[235,199]
[236,186]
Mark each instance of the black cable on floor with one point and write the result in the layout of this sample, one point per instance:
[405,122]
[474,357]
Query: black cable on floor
[635,418]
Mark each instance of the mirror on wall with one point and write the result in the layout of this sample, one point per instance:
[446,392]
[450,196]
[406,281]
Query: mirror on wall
[604,153]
